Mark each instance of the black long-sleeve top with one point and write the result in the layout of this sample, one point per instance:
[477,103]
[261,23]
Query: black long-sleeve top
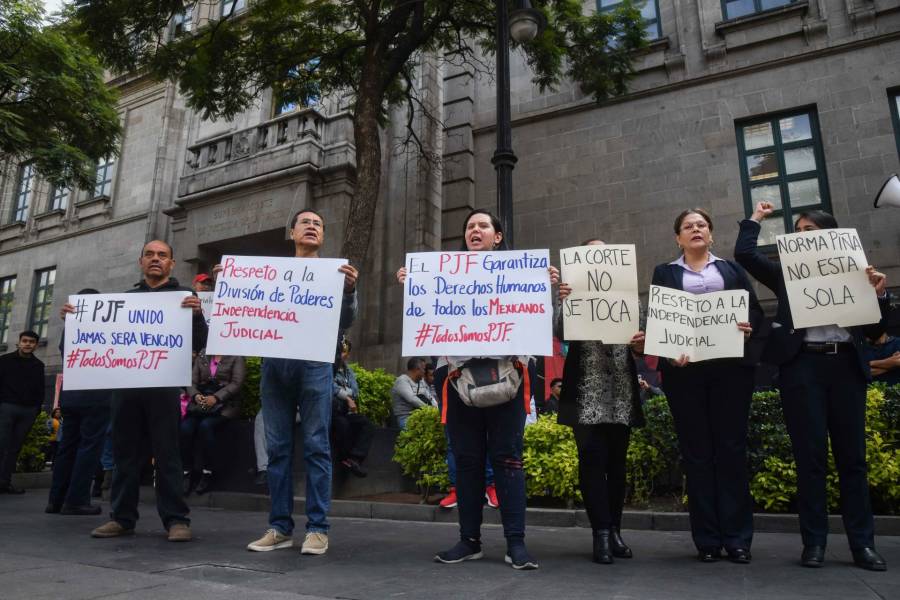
[21,380]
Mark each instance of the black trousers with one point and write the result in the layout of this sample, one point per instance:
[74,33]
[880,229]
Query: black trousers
[199,429]
[353,434]
[83,435]
[710,404]
[15,423]
[140,416]
[601,471]
[825,396]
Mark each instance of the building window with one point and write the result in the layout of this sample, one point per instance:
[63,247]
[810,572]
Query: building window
[7,291]
[782,163]
[649,10]
[59,198]
[732,9]
[24,193]
[42,300]
[894,96]
[182,22]
[103,182]
[232,7]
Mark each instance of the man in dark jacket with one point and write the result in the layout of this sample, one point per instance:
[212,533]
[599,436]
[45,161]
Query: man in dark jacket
[21,396]
[157,412]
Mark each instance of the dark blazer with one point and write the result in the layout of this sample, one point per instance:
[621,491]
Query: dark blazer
[230,375]
[672,276]
[785,341]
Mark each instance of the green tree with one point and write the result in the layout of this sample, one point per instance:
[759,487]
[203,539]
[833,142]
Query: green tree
[55,107]
[370,48]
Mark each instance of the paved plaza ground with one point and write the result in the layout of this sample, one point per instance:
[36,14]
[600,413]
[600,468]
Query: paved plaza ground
[52,557]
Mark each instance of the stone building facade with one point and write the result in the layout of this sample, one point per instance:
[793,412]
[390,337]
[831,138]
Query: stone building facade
[734,101]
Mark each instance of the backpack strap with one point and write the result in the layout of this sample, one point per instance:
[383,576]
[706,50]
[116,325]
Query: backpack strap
[451,375]
[526,385]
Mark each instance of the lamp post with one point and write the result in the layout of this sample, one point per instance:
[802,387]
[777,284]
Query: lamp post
[523,25]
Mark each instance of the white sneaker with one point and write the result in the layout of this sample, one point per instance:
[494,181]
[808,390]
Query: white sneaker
[272,540]
[315,543]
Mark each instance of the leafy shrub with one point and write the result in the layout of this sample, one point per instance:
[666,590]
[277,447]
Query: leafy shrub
[250,399]
[32,458]
[421,450]
[374,393]
[550,460]
[653,452]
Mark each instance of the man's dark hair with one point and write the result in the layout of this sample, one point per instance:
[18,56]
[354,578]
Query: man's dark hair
[87,292]
[555,381]
[307,210]
[415,363]
[171,250]
[30,334]
[822,219]
[429,368]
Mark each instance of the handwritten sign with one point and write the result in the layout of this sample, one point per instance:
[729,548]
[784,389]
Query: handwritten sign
[277,307]
[825,276]
[603,304]
[206,304]
[127,341]
[477,304]
[701,326]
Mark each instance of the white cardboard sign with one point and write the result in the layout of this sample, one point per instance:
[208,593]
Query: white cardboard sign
[825,276]
[701,326]
[603,304]
[116,341]
[477,304]
[277,307]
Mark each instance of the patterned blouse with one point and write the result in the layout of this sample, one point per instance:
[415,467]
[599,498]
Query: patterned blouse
[606,390]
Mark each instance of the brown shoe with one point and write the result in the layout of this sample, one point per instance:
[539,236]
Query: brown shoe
[110,530]
[180,532]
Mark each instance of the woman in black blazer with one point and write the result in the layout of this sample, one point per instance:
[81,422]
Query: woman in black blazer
[822,379]
[710,402]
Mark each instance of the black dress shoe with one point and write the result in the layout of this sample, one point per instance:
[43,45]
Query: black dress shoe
[11,489]
[867,558]
[88,509]
[619,548]
[52,509]
[813,556]
[709,555]
[740,556]
[602,550]
[203,484]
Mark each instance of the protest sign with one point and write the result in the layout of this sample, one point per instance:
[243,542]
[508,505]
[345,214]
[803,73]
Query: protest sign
[206,304]
[127,341]
[477,304]
[701,326]
[825,276]
[603,304]
[277,307]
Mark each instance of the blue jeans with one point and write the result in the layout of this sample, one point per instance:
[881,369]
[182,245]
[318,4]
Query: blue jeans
[285,385]
[451,465]
[106,457]
[84,428]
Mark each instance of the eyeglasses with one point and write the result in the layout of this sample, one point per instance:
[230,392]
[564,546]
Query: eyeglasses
[701,225]
[314,222]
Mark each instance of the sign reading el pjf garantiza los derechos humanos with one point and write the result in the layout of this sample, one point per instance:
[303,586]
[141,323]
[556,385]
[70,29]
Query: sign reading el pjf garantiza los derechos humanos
[127,341]
[603,304]
[825,276]
[701,326]
[477,304]
[277,307]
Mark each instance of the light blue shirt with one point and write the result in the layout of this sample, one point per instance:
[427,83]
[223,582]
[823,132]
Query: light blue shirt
[707,279]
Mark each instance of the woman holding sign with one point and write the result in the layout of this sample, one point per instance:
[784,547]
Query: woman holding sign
[601,402]
[495,431]
[822,378]
[710,402]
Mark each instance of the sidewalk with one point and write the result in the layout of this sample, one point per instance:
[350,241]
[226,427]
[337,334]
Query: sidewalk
[52,557]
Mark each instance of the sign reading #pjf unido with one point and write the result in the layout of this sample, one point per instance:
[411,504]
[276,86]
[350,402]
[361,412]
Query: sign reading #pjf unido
[825,276]
[127,341]
[603,304]
[277,307]
[477,304]
[701,326]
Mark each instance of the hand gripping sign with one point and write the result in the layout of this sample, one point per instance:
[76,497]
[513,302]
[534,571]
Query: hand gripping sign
[477,304]
[825,276]
[127,341]
[603,304]
[277,307]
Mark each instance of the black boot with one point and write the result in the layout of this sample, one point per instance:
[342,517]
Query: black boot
[619,548]
[602,551]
